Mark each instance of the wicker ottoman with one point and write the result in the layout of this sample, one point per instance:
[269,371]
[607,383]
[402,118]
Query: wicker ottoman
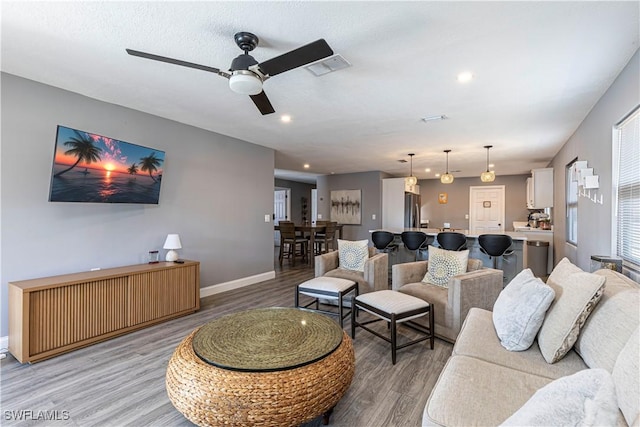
[393,307]
[211,395]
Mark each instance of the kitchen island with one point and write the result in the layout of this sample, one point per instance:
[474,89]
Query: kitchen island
[510,265]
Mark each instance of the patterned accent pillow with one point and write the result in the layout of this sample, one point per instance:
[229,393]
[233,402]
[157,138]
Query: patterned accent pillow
[353,254]
[445,264]
[577,294]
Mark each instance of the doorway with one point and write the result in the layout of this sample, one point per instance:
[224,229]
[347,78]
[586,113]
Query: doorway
[281,209]
[486,209]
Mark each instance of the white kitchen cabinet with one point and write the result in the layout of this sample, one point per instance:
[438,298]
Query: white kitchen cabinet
[540,189]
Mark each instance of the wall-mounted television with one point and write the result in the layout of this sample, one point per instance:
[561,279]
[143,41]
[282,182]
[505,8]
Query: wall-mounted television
[93,168]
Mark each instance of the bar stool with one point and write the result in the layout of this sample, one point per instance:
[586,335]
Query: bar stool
[413,240]
[495,245]
[452,241]
[383,241]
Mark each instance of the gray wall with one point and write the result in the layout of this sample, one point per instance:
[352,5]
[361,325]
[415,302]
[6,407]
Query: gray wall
[220,219]
[592,141]
[458,200]
[298,191]
[371,185]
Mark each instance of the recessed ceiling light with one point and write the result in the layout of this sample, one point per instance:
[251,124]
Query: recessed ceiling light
[465,77]
[306,166]
[427,170]
[437,175]
[285,118]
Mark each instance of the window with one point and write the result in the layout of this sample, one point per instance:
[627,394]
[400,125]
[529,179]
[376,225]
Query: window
[626,167]
[572,203]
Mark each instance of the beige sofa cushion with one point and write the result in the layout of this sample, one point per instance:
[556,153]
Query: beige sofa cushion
[478,339]
[472,392]
[626,375]
[616,312]
[577,293]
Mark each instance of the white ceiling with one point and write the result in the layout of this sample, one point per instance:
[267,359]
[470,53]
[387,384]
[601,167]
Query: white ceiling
[539,68]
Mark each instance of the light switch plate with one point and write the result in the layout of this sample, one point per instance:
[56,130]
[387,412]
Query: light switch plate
[267,218]
[319,216]
[373,216]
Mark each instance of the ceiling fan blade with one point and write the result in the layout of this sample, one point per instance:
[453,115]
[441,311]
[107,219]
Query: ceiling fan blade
[301,56]
[263,103]
[172,61]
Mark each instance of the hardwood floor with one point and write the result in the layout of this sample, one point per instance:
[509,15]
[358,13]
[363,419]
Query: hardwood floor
[120,382]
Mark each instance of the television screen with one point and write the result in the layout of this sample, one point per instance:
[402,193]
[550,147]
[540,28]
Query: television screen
[95,168]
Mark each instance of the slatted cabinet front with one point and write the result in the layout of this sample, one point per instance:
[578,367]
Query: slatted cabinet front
[53,315]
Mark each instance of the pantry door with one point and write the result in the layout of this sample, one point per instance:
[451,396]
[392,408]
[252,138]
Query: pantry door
[486,209]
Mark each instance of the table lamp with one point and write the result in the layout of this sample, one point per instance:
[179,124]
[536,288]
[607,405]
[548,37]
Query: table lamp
[172,243]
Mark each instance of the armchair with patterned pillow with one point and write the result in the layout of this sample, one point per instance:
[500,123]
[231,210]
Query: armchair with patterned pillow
[452,284]
[358,262]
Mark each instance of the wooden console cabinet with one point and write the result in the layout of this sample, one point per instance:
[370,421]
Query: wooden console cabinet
[54,315]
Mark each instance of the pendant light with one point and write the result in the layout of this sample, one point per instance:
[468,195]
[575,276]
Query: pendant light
[447,178]
[411,180]
[488,176]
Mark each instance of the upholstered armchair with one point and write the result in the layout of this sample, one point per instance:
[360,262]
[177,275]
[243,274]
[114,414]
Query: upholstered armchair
[478,287]
[374,278]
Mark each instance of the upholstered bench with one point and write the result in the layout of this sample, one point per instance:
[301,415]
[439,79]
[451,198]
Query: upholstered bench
[393,307]
[327,288]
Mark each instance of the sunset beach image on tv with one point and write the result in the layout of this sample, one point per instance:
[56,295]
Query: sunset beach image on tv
[95,168]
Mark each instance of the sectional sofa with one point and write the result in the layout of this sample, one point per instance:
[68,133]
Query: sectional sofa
[484,384]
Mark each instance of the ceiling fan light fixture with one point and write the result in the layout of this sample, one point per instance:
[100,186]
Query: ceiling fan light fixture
[411,180]
[447,178]
[488,176]
[245,82]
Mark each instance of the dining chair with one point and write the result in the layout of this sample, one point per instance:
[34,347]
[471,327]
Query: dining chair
[327,240]
[289,243]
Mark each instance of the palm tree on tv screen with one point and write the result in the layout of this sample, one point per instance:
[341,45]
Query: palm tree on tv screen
[150,164]
[133,169]
[82,147]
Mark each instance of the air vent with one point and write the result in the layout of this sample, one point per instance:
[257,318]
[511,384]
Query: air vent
[327,65]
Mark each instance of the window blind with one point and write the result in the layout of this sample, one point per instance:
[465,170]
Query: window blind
[628,191]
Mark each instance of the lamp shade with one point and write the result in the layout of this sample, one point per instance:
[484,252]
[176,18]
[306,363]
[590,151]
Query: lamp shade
[411,180]
[245,83]
[446,178]
[488,176]
[172,242]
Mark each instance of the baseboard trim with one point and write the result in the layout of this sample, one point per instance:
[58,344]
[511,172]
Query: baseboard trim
[4,344]
[236,284]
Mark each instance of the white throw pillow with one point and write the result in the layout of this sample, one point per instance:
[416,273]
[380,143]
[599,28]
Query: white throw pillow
[353,254]
[586,398]
[577,293]
[519,310]
[444,264]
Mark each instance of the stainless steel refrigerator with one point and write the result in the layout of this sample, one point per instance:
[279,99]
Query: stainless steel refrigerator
[411,210]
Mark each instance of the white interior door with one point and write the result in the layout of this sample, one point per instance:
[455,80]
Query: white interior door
[486,209]
[314,205]
[280,210]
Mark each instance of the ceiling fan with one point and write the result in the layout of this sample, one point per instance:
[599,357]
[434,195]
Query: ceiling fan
[246,75]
